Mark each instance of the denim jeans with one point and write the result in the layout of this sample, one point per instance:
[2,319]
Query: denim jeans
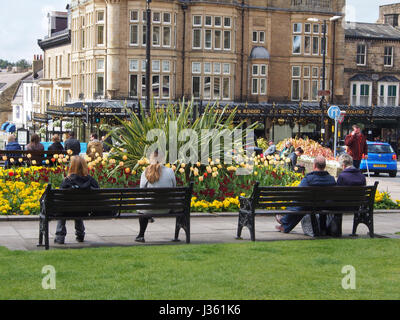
[290,221]
[61,231]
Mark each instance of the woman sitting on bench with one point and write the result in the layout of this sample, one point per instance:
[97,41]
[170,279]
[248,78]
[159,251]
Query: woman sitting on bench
[156,175]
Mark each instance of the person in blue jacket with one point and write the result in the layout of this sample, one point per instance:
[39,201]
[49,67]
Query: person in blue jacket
[12,145]
[319,177]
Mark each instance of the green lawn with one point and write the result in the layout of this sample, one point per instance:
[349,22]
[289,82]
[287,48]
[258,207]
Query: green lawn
[261,270]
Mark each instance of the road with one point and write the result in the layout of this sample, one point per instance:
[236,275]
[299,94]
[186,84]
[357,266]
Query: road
[391,185]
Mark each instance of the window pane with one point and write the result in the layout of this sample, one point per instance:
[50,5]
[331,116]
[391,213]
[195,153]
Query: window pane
[307,28]
[167,36]
[144,35]
[196,38]
[255,36]
[296,71]
[217,21]
[297,28]
[165,88]
[208,21]
[263,86]
[227,40]
[316,28]
[315,72]
[208,39]
[134,16]
[156,17]
[156,36]
[100,35]
[133,92]
[100,16]
[196,67]
[217,68]
[306,90]
[296,44]
[217,88]
[295,89]
[226,69]
[196,87]
[100,65]
[255,70]
[207,67]
[134,34]
[156,86]
[100,83]
[155,65]
[167,17]
[254,86]
[207,87]
[306,72]
[227,22]
[217,39]
[197,20]
[262,36]
[315,45]
[225,88]
[314,91]
[143,86]
[166,66]
[263,70]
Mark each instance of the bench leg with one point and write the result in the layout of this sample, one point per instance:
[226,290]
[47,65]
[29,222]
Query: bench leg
[182,222]
[40,244]
[187,230]
[241,223]
[315,225]
[252,227]
[46,234]
[177,229]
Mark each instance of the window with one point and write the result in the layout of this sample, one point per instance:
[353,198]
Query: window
[156,86]
[263,86]
[226,68]
[307,28]
[133,85]
[254,86]
[196,38]
[314,90]
[263,70]
[255,70]
[217,21]
[156,17]
[296,45]
[296,72]
[134,36]
[255,36]
[196,67]
[227,22]
[361,54]
[134,17]
[133,65]
[388,94]
[324,46]
[217,68]
[315,49]
[207,67]
[196,87]
[316,28]
[217,88]
[143,86]
[166,36]
[144,35]
[100,16]
[197,20]
[155,65]
[166,66]
[392,95]
[208,21]
[364,94]
[156,36]
[208,39]
[361,94]
[207,87]
[297,27]
[100,83]
[306,90]
[262,36]
[144,65]
[166,87]
[225,88]
[296,89]
[100,35]
[166,17]
[227,40]
[100,65]
[388,57]
[217,39]
[259,81]
[307,45]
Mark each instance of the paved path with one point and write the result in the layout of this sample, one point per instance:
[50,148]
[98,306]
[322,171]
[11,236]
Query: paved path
[388,184]
[23,235]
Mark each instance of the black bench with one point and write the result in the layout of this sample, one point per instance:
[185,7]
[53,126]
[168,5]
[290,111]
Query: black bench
[311,200]
[70,204]
[28,156]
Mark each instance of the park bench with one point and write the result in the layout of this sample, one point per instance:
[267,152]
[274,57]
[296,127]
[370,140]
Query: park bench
[39,156]
[310,200]
[99,204]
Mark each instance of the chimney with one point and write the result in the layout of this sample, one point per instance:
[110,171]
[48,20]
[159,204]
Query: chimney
[37,64]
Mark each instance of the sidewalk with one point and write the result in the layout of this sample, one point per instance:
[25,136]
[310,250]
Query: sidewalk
[205,228]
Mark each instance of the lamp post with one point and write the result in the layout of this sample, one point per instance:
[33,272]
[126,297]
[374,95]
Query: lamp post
[148,57]
[324,46]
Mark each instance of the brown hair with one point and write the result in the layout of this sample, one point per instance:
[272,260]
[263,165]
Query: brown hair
[153,171]
[35,139]
[56,138]
[78,166]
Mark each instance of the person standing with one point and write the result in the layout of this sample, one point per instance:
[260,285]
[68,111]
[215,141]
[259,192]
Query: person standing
[357,146]
[73,144]
[156,175]
[95,147]
[78,178]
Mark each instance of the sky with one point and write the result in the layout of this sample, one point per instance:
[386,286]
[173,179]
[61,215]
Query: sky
[23,22]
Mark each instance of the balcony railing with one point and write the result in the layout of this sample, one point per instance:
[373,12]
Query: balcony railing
[312,4]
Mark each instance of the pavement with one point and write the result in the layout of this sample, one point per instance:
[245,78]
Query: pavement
[388,184]
[205,229]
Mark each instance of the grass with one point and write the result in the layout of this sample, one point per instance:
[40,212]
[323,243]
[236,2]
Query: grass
[261,270]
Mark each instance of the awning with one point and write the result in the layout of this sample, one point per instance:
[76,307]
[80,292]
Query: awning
[5,125]
[11,128]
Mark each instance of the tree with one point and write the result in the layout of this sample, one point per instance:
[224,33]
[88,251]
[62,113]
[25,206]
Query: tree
[23,64]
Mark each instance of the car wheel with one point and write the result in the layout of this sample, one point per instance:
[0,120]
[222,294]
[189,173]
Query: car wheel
[392,174]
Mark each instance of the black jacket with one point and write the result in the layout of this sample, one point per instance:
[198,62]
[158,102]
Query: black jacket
[318,178]
[351,177]
[79,182]
[74,145]
[56,146]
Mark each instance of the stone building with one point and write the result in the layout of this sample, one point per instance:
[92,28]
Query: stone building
[227,50]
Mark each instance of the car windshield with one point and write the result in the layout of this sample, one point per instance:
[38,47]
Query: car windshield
[379,148]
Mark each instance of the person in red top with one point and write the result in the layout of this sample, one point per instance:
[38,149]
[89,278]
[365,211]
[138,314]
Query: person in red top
[356,144]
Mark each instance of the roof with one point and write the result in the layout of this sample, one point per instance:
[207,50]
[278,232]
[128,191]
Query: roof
[374,31]
[19,96]
[389,79]
[32,76]
[361,77]
[259,53]
[8,79]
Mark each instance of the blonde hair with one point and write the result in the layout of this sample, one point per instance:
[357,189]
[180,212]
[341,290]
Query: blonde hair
[153,171]
[78,166]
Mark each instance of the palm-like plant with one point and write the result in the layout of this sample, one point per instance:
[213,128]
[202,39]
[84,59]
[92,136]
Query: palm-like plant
[130,137]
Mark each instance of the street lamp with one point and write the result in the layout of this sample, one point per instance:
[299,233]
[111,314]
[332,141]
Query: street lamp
[334,18]
[148,57]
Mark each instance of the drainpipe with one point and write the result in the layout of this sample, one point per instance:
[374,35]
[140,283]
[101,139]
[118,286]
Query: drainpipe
[184,7]
[242,56]
[333,62]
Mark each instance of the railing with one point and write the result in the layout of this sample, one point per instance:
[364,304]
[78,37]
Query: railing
[312,4]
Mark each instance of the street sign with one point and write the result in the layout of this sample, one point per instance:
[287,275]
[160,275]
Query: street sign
[324,93]
[341,117]
[334,112]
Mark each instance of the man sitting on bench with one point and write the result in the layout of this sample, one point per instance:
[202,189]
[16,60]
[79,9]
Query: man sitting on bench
[319,177]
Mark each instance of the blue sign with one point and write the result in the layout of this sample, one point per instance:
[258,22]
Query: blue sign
[334,112]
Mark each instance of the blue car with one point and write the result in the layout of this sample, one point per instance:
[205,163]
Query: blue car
[381,159]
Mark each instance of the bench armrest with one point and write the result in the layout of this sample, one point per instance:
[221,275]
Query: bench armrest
[246,204]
